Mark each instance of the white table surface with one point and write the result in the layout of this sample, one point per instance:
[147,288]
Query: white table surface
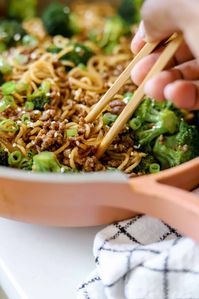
[44,263]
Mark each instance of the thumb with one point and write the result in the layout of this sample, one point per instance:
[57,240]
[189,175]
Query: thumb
[159,20]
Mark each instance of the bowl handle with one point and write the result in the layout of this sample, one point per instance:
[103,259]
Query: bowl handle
[185,176]
[176,207]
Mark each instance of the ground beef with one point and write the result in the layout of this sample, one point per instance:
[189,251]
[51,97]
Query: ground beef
[48,140]
[92,164]
[117,106]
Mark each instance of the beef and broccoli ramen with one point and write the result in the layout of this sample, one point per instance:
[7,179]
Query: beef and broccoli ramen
[54,68]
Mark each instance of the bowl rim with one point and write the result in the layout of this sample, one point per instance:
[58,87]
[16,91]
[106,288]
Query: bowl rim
[90,177]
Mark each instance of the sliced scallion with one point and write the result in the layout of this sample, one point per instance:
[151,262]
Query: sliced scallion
[8,88]
[6,101]
[127,97]
[45,87]
[71,132]
[29,106]
[14,158]
[154,168]
[21,59]
[8,125]
[5,68]
[25,118]
[108,118]
[29,41]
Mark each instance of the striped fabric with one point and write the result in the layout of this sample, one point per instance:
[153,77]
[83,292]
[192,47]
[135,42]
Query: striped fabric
[142,258]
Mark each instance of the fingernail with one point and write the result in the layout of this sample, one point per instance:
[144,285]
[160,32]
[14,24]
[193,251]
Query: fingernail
[147,87]
[141,31]
[168,91]
[188,91]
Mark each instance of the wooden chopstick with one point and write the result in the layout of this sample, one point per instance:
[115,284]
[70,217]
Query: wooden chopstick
[93,114]
[126,114]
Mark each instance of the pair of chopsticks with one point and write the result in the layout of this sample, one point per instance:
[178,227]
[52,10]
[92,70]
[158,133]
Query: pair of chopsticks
[172,44]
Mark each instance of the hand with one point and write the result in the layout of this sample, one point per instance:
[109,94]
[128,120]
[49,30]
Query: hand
[179,82]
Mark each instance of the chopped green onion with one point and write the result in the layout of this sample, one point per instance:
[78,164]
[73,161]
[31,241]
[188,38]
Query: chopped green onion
[14,158]
[3,105]
[109,118]
[29,41]
[21,59]
[8,125]
[25,118]
[5,68]
[154,168]
[6,101]
[127,97]
[8,88]
[29,106]
[110,47]
[53,49]
[46,162]
[82,66]
[135,123]
[45,86]
[71,132]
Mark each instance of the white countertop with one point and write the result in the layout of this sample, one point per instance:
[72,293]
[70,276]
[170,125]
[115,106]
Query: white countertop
[44,263]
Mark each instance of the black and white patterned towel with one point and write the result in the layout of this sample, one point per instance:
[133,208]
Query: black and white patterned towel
[142,258]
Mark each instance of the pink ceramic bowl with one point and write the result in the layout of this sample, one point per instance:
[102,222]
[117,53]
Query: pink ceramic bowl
[101,198]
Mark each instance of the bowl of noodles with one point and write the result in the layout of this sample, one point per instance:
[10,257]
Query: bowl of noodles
[55,64]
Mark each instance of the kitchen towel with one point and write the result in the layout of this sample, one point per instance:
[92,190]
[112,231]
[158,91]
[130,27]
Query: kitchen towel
[142,258]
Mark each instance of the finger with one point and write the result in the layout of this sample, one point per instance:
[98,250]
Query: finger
[183,54]
[155,86]
[138,40]
[142,68]
[184,94]
[160,19]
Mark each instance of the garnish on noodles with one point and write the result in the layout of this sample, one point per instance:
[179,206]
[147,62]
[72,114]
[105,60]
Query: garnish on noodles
[53,70]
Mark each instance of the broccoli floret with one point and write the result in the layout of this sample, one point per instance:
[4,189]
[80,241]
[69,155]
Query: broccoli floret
[166,123]
[40,101]
[152,120]
[22,9]
[149,109]
[46,162]
[11,32]
[115,27]
[79,54]
[145,164]
[40,97]
[129,10]
[58,20]
[174,150]
[3,157]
